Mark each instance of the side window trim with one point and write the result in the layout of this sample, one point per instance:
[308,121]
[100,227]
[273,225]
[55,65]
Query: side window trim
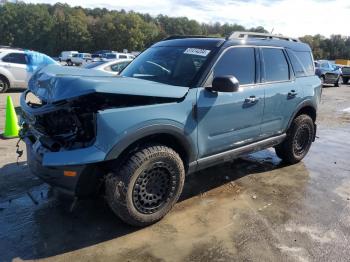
[210,75]
[263,72]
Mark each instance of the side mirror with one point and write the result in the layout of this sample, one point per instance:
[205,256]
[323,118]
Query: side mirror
[226,83]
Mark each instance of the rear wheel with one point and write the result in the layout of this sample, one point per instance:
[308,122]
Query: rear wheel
[69,63]
[146,186]
[4,84]
[298,142]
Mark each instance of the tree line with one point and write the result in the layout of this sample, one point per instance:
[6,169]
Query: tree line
[54,28]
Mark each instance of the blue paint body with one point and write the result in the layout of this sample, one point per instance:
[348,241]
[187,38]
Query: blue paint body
[36,61]
[204,122]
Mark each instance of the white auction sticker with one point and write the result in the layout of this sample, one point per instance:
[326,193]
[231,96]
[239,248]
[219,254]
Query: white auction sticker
[197,51]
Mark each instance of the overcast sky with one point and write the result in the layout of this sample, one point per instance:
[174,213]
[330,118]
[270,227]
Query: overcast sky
[290,17]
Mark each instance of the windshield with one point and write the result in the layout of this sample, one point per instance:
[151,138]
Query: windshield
[169,65]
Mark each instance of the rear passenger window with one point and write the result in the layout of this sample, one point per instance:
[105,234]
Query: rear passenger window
[239,62]
[302,63]
[276,65]
[16,58]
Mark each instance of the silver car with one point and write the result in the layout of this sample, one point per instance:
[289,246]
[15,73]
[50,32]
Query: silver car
[17,66]
[113,67]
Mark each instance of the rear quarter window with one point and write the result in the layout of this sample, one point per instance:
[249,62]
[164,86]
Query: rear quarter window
[302,63]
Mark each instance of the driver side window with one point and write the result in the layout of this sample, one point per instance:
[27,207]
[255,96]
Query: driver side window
[239,62]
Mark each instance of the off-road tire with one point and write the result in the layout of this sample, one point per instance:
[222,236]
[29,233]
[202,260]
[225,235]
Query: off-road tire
[4,84]
[298,141]
[152,174]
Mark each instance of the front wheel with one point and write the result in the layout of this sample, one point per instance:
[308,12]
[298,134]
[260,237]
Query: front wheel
[144,189]
[345,80]
[298,142]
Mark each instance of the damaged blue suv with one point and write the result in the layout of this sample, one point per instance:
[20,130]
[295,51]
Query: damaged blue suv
[184,104]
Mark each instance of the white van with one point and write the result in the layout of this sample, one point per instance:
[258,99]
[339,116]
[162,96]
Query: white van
[66,56]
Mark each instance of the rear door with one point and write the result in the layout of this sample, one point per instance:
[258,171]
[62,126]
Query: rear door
[16,63]
[282,93]
[230,120]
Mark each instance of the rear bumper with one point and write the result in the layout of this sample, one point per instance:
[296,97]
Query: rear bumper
[83,183]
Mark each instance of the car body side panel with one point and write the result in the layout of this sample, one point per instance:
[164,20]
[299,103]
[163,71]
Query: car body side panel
[279,106]
[20,74]
[226,120]
[115,131]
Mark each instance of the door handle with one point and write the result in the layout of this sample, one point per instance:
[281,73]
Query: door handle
[7,66]
[251,100]
[292,94]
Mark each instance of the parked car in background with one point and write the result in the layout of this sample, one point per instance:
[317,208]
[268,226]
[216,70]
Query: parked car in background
[97,56]
[66,56]
[17,66]
[81,58]
[345,73]
[113,67]
[115,55]
[328,73]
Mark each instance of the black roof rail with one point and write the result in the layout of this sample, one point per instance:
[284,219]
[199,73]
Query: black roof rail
[247,35]
[185,36]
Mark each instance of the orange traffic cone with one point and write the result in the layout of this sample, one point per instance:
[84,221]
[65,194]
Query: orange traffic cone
[11,121]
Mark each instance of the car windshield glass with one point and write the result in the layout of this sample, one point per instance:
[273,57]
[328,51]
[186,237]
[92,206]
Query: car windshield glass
[169,65]
[92,65]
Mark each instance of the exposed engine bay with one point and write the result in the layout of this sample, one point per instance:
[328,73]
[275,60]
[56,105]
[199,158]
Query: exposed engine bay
[71,124]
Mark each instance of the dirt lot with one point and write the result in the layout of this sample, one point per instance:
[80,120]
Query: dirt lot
[255,209]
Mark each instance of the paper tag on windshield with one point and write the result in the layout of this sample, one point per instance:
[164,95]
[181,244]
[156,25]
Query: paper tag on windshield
[197,51]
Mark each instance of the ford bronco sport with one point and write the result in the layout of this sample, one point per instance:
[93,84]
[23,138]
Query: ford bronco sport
[184,104]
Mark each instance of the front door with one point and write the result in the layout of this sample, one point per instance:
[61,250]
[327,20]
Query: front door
[230,120]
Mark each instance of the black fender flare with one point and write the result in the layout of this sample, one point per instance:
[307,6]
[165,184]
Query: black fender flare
[155,129]
[303,104]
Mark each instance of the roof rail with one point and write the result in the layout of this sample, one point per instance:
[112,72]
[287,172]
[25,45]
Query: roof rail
[184,36]
[246,35]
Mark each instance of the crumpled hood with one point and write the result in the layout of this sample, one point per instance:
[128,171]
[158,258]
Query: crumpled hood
[54,83]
